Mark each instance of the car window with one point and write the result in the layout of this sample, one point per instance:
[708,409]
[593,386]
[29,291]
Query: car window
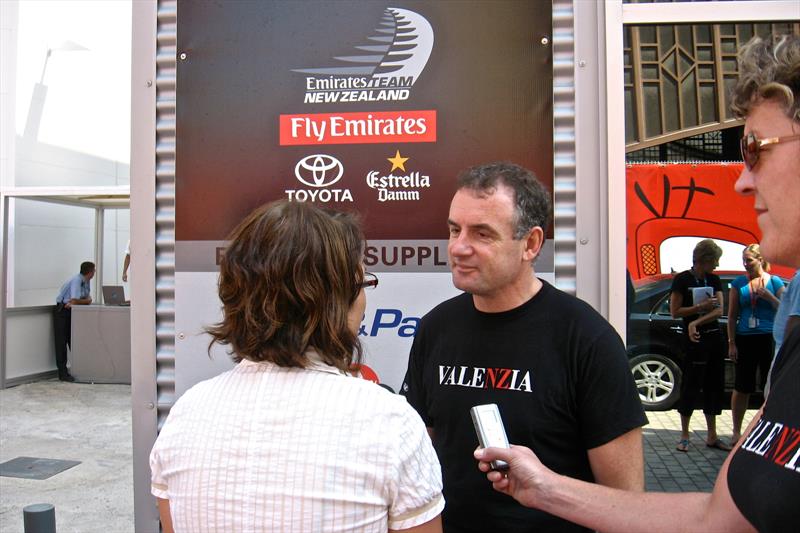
[663,307]
[676,253]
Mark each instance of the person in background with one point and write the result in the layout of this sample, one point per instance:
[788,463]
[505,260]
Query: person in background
[757,486]
[75,291]
[630,295]
[704,360]
[787,318]
[752,301]
[126,263]
[289,440]
[557,370]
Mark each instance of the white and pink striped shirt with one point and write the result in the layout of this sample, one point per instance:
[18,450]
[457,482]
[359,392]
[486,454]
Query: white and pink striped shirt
[265,448]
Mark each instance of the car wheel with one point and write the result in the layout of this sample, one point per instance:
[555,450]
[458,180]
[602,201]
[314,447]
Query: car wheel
[658,380]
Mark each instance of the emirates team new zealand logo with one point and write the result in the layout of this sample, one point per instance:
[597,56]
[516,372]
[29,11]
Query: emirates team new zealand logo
[392,59]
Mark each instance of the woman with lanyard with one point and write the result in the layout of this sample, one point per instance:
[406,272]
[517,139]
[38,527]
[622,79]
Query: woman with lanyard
[752,302]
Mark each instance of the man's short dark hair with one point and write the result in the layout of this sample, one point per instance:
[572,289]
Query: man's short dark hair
[531,198]
[86,267]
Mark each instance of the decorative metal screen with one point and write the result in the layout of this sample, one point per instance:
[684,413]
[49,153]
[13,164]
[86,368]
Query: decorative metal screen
[677,78]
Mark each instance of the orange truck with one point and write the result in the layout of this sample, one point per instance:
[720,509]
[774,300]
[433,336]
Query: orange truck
[685,200]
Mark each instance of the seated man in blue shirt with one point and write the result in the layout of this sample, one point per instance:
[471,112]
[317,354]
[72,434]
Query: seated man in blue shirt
[75,291]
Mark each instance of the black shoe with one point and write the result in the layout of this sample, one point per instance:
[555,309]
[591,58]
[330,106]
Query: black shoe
[66,377]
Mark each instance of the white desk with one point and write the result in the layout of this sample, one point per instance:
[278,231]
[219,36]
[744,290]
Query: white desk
[101,344]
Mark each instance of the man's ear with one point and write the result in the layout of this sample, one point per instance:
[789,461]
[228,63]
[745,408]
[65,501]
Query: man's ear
[533,244]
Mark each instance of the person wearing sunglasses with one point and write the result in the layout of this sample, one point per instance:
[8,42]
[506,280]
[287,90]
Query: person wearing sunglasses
[289,439]
[757,486]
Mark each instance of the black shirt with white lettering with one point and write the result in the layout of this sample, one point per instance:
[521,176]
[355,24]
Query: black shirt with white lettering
[559,374]
[764,473]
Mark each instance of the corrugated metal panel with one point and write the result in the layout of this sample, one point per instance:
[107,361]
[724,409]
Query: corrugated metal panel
[564,169]
[166,63]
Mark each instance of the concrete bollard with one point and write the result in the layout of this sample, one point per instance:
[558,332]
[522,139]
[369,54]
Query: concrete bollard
[40,518]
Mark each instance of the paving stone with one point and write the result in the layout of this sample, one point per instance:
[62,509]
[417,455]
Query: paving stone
[672,471]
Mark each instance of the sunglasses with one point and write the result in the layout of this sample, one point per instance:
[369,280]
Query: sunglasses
[751,147]
[370,281]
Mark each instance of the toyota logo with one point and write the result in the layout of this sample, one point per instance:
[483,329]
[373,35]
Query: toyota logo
[319,170]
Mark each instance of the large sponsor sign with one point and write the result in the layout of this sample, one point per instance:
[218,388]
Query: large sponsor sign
[373,107]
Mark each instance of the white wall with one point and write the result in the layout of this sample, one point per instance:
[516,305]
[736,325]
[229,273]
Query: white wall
[8,67]
[86,108]
[30,339]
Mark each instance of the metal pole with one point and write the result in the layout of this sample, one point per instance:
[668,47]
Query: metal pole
[99,234]
[4,205]
[39,518]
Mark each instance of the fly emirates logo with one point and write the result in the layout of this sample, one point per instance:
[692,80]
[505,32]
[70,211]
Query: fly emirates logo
[410,126]
[485,378]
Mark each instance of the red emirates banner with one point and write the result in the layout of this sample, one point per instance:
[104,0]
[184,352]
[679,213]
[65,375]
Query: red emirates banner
[358,128]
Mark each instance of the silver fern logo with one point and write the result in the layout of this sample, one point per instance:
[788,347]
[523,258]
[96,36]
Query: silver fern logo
[395,56]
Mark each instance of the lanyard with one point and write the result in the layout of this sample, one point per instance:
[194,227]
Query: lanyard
[697,280]
[753,293]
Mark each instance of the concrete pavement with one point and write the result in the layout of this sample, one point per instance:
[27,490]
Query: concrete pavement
[92,424]
[70,421]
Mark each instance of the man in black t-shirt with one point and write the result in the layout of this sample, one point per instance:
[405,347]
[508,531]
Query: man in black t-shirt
[557,370]
[696,296]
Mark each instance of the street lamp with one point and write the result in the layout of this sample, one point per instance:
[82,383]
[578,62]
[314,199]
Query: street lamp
[65,46]
[35,110]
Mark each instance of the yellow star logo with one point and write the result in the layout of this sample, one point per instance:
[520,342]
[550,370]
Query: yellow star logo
[397,162]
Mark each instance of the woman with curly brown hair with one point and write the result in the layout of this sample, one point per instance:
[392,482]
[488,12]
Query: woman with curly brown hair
[289,440]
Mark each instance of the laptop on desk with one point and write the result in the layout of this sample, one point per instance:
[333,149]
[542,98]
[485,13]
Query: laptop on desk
[114,295]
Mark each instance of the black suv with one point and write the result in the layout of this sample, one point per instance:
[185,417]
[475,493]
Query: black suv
[655,342]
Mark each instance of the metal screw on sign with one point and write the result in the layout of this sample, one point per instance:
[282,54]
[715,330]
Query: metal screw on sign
[545,41]
[183,56]
[39,518]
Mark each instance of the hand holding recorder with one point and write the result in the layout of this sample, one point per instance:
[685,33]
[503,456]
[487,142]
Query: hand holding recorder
[526,479]
[490,430]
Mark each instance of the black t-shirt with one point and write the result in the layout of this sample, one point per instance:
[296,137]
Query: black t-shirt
[683,284]
[764,474]
[559,374]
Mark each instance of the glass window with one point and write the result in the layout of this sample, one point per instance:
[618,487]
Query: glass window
[670,207]
[50,241]
[647,34]
[116,234]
